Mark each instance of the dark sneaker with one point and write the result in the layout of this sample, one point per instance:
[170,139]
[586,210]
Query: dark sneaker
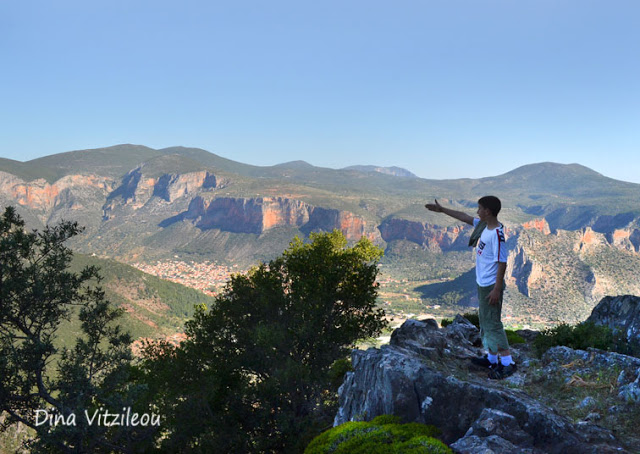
[502,372]
[483,361]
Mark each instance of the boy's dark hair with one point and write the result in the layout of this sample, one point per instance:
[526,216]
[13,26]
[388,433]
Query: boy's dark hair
[492,203]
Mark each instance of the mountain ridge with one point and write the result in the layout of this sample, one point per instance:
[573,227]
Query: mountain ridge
[191,203]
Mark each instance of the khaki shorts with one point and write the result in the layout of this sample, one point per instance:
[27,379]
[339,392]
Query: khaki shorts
[491,329]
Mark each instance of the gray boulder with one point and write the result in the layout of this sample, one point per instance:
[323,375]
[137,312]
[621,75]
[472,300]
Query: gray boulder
[631,391]
[492,444]
[619,313]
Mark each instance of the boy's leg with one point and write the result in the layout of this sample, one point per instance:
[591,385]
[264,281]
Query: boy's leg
[491,358]
[492,332]
[495,338]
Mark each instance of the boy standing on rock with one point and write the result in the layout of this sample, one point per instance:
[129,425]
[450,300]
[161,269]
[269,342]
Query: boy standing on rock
[491,264]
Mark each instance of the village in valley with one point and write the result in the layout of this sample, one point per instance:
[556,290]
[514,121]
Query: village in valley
[208,277]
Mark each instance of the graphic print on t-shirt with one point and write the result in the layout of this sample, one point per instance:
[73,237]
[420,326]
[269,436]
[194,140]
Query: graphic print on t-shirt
[490,251]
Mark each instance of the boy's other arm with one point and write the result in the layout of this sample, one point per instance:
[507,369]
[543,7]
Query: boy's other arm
[494,295]
[459,215]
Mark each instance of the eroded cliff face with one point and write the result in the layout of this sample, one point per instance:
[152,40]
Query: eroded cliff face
[326,219]
[588,239]
[567,272]
[627,239]
[258,215]
[431,236]
[524,272]
[70,191]
[136,189]
[172,187]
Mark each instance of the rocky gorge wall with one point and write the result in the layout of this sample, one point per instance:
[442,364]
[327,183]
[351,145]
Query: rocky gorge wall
[258,215]
[39,195]
[577,267]
[137,189]
[431,236]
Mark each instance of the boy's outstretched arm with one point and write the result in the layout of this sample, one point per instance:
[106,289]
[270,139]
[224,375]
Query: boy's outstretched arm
[459,215]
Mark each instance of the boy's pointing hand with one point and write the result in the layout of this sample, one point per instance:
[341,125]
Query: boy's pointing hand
[434,207]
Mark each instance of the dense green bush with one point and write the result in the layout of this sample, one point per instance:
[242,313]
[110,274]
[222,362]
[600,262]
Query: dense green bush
[513,337]
[583,336]
[471,316]
[382,435]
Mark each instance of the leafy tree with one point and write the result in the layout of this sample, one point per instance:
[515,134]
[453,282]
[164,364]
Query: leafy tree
[257,373]
[39,378]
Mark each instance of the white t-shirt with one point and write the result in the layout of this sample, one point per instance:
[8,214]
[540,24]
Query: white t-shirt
[490,250]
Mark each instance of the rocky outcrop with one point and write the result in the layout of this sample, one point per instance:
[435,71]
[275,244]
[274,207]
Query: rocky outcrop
[428,235]
[539,224]
[621,313]
[589,239]
[627,239]
[417,377]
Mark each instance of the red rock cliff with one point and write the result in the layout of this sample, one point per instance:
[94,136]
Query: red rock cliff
[42,196]
[429,235]
[258,215]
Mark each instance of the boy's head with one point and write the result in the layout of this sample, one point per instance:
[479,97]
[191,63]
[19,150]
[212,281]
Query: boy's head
[491,203]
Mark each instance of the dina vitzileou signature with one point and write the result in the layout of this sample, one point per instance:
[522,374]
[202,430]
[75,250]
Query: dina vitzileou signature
[99,417]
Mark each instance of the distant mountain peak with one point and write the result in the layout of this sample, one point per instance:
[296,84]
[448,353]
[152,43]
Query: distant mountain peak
[393,170]
[295,165]
[553,169]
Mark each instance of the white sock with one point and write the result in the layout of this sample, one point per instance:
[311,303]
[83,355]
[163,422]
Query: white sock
[506,360]
[493,359]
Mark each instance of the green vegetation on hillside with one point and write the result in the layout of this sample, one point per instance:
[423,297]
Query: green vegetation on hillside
[111,162]
[154,307]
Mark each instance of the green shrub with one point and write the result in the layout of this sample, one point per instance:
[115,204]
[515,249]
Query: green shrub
[471,316]
[383,435]
[583,336]
[513,337]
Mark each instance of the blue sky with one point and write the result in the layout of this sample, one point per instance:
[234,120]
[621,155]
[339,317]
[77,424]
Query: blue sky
[446,89]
